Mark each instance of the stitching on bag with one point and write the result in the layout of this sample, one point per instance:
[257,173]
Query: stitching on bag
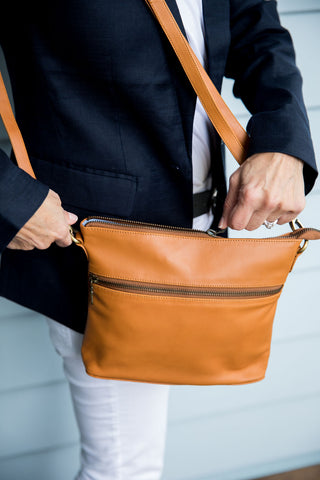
[233,240]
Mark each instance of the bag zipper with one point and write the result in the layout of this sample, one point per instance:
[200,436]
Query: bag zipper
[179,291]
[92,221]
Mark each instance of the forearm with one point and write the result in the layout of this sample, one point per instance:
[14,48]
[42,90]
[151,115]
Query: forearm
[262,62]
[20,197]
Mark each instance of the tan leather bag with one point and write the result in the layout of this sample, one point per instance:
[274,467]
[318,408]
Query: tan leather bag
[179,306]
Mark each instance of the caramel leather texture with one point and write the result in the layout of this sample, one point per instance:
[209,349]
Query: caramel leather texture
[171,338]
[176,340]
[175,306]
[188,259]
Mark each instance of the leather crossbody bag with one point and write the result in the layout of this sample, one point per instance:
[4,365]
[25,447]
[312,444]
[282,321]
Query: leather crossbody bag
[174,305]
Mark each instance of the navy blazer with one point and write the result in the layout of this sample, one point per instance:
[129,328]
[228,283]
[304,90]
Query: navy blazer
[106,113]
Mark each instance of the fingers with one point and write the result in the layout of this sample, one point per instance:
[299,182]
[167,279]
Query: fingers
[239,205]
[20,245]
[65,240]
[270,210]
[288,217]
[49,224]
[59,221]
[251,211]
[231,201]
[266,187]
[58,232]
[71,218]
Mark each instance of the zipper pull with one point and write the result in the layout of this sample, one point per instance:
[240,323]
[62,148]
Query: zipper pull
[215,233]
[92,280]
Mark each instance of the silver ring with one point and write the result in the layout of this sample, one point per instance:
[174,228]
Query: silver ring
[270,224]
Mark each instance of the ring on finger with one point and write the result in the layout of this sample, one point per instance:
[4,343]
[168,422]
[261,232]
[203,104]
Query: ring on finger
[270,224]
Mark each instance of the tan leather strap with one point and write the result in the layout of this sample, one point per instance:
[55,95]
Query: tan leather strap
[228,127]
[13,131]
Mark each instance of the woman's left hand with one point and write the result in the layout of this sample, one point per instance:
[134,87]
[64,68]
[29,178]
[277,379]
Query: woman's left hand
[267,186]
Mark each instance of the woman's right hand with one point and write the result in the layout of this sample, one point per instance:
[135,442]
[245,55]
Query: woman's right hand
[49,224]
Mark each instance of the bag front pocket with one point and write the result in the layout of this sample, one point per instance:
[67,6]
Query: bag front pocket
[179,290]
[178,334]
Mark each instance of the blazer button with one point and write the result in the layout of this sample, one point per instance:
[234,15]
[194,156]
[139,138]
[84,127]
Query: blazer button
[214,198]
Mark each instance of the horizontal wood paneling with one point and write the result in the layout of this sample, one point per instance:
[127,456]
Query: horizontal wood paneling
[54,464]
[298,314]
[9,309]
[36,419]
[27,357]
[293,371]
[62,463]
[214,446]
[294,6]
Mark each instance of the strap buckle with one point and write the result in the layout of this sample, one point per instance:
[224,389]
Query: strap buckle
[73,236]
[296,223]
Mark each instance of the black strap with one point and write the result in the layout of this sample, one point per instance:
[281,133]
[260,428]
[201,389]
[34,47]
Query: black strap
[203,202]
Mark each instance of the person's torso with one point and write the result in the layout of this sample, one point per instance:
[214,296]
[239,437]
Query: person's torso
[191,12]
[104,104]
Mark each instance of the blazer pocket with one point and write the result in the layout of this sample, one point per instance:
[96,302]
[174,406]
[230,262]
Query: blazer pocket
[89,191]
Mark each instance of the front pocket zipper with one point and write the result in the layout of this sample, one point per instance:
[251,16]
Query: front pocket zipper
[179,291]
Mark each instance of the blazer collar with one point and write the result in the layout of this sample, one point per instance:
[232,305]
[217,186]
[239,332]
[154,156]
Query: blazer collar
[216,16]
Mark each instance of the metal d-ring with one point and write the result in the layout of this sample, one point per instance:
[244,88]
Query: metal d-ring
[296,223]
[73,237]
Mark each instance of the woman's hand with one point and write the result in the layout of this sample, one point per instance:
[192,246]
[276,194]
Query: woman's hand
[49,224]
[267,186]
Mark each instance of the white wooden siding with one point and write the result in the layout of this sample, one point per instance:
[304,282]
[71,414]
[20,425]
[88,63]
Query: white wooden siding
[215,433]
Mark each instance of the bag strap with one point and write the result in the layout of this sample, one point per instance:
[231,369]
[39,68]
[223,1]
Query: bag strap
[223,120]
[13,131]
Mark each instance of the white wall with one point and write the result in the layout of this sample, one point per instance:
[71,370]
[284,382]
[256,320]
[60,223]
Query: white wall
[215,433]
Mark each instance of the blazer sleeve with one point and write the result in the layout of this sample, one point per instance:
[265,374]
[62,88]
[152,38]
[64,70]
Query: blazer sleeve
[261,60]
[20,197]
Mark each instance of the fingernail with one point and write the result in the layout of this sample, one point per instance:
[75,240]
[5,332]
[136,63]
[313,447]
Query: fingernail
[73,218]
[222,223]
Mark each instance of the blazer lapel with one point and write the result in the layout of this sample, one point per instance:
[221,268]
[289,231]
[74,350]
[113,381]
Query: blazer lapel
[216,22]
[185,93]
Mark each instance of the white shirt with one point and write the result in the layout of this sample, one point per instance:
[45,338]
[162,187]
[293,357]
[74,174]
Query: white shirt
[192,17]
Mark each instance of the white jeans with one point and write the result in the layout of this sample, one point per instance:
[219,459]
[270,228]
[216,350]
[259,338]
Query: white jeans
[122,424]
